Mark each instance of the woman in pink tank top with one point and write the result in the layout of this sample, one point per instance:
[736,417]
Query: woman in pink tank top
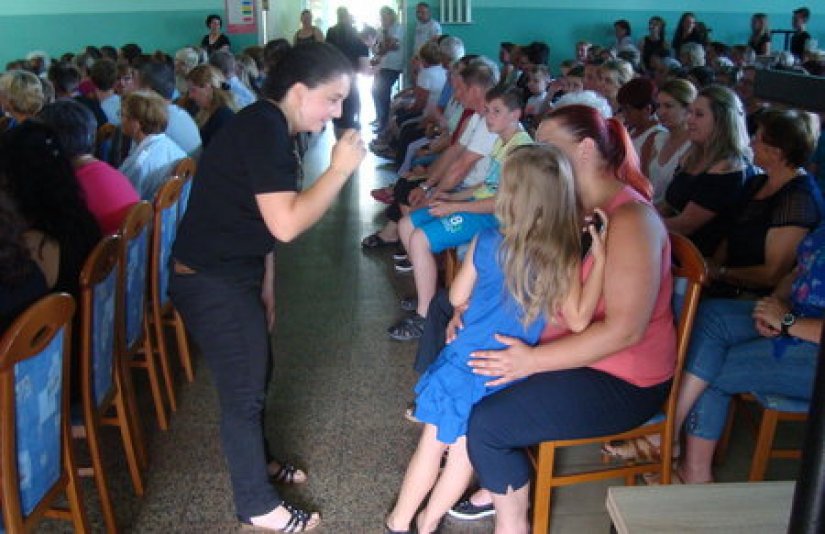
[612,376]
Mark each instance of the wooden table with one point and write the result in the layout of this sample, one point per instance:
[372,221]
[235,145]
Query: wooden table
[748,507]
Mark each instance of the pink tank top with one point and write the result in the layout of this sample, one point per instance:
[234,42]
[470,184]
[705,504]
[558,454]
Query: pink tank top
[652,360]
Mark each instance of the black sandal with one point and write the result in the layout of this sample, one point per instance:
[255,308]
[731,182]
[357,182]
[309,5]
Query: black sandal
[407,329]
[298,521]
[285,474]
[376,241]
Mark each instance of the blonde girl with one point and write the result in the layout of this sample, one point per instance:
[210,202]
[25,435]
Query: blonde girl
[512,279]
[216,105]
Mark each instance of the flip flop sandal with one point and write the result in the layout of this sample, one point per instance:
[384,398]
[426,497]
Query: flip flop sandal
[376,241]
[285,475]
[298,521]
[407,329]
[637,450]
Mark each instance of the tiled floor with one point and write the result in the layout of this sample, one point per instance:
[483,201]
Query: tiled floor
[335,404]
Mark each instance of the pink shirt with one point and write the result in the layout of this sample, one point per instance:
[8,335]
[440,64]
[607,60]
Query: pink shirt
[108,194]
[652,360]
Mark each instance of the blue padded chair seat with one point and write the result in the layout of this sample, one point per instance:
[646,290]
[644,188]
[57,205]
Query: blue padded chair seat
[782,404]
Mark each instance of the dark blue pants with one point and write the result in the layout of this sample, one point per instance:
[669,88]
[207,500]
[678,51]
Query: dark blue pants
[570,404]
[227,321]
[382,93]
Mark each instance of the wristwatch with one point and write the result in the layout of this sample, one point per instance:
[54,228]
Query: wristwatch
[788,321]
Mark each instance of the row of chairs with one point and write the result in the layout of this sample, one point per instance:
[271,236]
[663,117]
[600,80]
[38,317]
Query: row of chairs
[123,311]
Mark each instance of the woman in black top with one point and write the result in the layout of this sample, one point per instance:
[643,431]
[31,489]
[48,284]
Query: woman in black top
[686,32]
[654,42]
[216,105]
[214,40]
[781,206]
[244,199]
[760,39]
[706,190]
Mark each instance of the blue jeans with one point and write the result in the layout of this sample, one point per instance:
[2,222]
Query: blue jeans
[727,352]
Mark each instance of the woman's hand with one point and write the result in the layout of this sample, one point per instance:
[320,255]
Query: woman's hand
[512,363]
[455,323]
[348,153]
[769,311]
[597,247]
[442,209]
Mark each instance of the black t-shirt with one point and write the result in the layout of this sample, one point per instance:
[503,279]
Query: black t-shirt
[219,117]
[798,42]
[650,48]
[719,193]
[223,231]
[345,39]
[94,107]
[14,299]
[760,44]
[222,41]
[797,203]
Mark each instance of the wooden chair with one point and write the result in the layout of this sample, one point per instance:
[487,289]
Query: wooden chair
[774,409]
[185,170]
[36,456]
[136,348]
[689,265]
[103,399]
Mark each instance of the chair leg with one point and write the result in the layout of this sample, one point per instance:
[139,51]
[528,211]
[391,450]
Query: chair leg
[183,346]
[130,404]
[93,440]
[150,364]
[163,356]
[73,492]
[542,490]
[764,442]
[130,446]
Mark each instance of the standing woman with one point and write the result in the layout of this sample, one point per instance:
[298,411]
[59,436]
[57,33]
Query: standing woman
[216,105]
[307,33]
[214,40]
[389,61]
[760,40]
[245,198]
[687,31]
[654,42]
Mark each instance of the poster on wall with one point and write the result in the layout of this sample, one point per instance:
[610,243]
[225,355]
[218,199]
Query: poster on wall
[240,16]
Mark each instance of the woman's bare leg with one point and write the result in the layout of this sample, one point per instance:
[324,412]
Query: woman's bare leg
[511,511]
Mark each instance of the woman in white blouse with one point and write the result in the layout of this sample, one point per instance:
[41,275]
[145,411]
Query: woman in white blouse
[662,152]
[153,155]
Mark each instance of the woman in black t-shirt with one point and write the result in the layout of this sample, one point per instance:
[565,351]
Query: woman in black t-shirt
[214,40]
[706,190]
[760,39]
[244,199]
[781,206]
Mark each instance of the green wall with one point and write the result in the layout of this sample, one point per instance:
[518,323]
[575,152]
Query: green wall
[561,23]
[58,26]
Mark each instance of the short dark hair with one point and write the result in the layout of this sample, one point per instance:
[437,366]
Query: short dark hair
[130,51]
[75,125]
[109,51]
[538,52]
[104,74]
[311,64]
[210,18]
[511,97]
[804,11]
[274,50]
[223,61]
[623,24]
[159,77]
[793,132]
[65,77]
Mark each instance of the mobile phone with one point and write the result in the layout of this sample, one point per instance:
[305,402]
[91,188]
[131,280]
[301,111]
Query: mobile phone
[587,240]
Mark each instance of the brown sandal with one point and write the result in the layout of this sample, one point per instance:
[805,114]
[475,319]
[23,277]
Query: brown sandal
[637,450]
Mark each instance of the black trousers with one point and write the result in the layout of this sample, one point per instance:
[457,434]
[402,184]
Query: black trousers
[227,321]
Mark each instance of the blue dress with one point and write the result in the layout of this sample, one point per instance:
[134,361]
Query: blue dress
[447,391]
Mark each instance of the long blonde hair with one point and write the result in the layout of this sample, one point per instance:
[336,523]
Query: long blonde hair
[729,138]
[538,210]
[207,75]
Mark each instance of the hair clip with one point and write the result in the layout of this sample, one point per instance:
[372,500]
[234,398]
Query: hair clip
[225,86]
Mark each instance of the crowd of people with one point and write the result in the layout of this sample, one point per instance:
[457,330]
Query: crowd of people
[557,194]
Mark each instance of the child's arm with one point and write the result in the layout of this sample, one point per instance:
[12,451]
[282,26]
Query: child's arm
[464,281]
[582,299]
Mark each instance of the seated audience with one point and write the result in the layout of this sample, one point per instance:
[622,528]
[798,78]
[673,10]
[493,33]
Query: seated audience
[637,99]
[66,79]
[706,191]
[612,74]
[181,128]
[655,42]
[661,153]
[104,76]
[107,193]
[225,62]
[686,32]
[186,59]
[692,55]
[216,106]
[621,29]
[537,82]
[21,95]
[780,207]
[153,154]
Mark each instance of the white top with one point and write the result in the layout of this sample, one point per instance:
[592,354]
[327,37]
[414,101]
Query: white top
[243,96]
[183,130]
[424,32]
[661,174]
[639,140]
[478,139]
[432,79]
[150,163]
[394,59]
[111,108]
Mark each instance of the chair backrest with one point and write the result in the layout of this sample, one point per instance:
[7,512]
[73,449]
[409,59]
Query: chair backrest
[689,275]
[133,267]
[185,170]
[164,231]
[34,405]
[98,319]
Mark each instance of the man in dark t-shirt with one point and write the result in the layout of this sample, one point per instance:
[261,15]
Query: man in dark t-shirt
[800,38]
[344,37]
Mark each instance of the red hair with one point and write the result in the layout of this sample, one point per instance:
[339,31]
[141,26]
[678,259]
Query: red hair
[611,139]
